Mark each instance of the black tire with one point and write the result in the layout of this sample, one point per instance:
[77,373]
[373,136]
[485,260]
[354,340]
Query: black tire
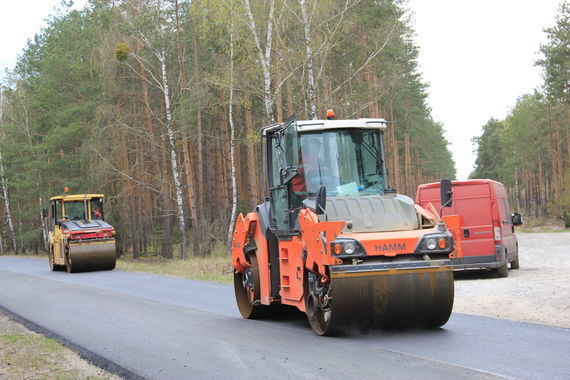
[503,270]
[515,264]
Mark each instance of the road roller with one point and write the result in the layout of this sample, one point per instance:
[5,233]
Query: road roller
[334,240]
[79,238]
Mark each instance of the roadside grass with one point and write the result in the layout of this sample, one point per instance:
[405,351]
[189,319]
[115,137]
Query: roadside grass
[216,268]
[27,355]
[533,224]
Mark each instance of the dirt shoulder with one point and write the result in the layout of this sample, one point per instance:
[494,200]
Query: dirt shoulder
[538,292]
[25,354]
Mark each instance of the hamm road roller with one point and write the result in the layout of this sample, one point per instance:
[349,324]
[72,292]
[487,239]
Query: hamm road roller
[335,241]
[79,238]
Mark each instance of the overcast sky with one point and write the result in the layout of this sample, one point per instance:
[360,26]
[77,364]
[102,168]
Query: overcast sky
[20,20]
[477,56]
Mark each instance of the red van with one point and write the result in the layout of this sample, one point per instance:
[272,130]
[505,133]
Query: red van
[488,237]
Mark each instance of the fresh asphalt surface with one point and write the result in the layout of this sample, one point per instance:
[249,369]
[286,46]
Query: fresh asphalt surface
[160,327]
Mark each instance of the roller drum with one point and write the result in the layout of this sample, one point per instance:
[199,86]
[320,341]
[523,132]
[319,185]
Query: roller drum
[384,300]
[91,256]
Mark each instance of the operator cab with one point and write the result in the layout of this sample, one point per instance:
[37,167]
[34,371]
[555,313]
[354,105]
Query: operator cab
[84,207]
[346,157]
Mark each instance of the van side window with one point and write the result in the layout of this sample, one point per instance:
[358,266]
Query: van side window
[505,211]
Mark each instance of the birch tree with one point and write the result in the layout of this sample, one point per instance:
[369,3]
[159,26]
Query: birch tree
[232,144]
[264,54]
[310,73]
[20,117]
[4,182]
[173,158]
[158,49]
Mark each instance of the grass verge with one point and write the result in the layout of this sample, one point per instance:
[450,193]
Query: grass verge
[214,268]
[27,355]
[217,268]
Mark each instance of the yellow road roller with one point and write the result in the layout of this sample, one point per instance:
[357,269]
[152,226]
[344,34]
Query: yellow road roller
[79,238]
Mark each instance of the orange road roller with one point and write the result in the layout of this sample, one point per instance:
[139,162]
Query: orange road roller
[335,241]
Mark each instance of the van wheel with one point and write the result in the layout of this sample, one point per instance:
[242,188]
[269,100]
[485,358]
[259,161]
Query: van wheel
[515,264]
[503,270]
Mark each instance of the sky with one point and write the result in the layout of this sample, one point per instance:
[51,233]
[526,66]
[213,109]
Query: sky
[20,20]
[477,57]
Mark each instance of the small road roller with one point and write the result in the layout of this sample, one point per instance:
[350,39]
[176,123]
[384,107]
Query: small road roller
[79,238]
[335,241]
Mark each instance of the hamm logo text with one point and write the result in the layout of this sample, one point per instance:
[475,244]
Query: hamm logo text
[390,247]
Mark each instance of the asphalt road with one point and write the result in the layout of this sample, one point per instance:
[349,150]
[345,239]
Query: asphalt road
[160,327]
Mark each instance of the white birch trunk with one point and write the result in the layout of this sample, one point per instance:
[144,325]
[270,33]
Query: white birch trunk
[45,232]
[310,71]
[264,58]
[173,159]
[232,146]
[4,185]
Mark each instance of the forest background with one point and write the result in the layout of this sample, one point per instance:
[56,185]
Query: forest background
[158,105]
[529,150]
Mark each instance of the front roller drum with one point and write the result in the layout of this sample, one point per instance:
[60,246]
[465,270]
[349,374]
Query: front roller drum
[380,300]
[92,256]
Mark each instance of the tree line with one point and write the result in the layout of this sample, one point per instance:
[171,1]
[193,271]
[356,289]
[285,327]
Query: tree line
[529,149]
[158,104]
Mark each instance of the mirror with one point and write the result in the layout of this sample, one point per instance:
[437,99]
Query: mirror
[316,202]
[446,193]
[517,219]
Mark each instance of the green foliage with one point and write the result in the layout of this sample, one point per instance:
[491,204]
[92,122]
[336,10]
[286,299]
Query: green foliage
[528,151]
[85,111]
[122,51]
[489,147]
[556,60]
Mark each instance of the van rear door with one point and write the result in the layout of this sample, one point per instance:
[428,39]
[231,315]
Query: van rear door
[472,201]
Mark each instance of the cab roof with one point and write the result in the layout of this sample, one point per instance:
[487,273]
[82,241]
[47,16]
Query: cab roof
[76,197]
[322,125]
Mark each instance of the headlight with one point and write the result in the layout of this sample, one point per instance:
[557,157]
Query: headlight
[345,247]
[439,242]
[349,248]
